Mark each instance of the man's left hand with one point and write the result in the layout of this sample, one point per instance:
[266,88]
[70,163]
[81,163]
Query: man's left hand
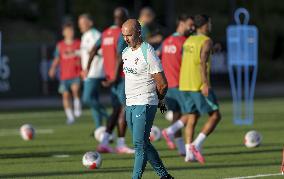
[162,106]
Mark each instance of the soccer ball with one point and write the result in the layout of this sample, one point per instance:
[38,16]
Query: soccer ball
[98,134]
[169,115]
[155,134]
[252,139]
[27,132]
[92,160]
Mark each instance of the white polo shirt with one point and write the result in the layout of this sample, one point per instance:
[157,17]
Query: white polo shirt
[138,67]
[88,40]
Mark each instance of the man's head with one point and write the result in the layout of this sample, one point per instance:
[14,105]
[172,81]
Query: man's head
[68,30]
[120,15]
[202,23]
[147,15]
[131,31]
[85,22]
[185,25]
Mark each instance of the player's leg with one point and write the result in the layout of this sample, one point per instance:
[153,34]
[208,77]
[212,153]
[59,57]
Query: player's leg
[111,123]
[208,128]
[168,133]
[142,120]
[90,97]
[75,88]
[179,141]
[66,100]
[185,106]
[121,146]
[121,130]
[189,133]
[205,105]
[66,96]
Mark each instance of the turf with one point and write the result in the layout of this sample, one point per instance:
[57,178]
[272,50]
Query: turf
[224,151]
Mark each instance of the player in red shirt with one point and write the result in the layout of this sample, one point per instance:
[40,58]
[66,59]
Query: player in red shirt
[69,64]
[112,44]
[171,55]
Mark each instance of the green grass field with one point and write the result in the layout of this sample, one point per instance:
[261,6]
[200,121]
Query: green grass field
[224,150]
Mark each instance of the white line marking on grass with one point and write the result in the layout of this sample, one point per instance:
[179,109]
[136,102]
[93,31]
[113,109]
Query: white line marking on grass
[61,156]
[257,176]
[9,132]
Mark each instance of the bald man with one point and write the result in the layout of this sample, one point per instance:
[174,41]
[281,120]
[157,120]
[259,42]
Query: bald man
[145,89]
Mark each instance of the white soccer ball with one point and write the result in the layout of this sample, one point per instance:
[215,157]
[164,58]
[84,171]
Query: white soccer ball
[169,115]
[155,134]
[98,134]
[252,139]
[27,132]
[92,160]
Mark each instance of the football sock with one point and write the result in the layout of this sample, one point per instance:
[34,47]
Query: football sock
[199,140]
[189,154]
[77,107]
[69,114]
[180,145]
[175,127]
[120,142]
[105,140]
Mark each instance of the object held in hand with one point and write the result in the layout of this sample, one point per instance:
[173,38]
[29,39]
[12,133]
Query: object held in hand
[162,106]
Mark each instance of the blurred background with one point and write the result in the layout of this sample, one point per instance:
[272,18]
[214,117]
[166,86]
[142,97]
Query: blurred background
[31,28]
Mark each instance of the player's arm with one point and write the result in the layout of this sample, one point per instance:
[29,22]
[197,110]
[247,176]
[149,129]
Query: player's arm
[204,56]
[121,45]
[55,63]
[161,84]
[161,88]
[92,54]
[159,77]
[118,68]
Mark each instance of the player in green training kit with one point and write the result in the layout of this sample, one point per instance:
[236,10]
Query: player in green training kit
[145,87]
[197,94]
[196,86]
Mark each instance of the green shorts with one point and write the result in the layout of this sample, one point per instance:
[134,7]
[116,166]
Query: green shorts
[118,93]
[197,102]
[173,101]
[65,85]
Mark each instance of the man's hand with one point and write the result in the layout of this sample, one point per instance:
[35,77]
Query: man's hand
[84,74]
[205,90]
[51,73]
[162,106]
[108,83]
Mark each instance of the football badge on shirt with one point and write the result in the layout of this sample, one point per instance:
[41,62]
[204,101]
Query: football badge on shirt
[136,61]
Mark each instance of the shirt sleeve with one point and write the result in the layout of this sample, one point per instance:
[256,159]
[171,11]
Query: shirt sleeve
[154,62]
[121,44]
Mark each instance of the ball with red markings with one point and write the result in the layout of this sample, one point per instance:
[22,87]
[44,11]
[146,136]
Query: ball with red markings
[92,160]
[27,132]
[155,133]
[252,139]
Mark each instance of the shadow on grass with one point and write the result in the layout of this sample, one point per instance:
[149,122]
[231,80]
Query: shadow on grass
[247,152]
[241,152]
[241,145]
[36,146]
[129,170]
[52,153]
